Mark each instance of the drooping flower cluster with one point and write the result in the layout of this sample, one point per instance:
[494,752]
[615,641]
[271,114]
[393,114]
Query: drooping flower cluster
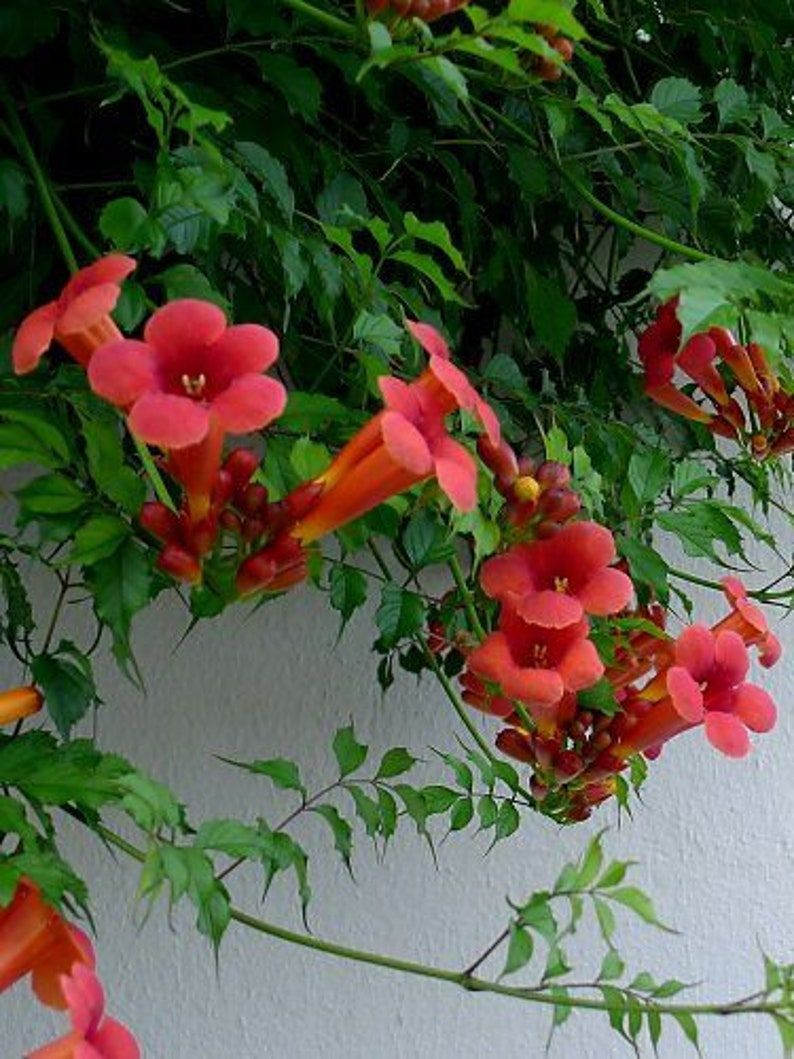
[765,421]
[192,380]
[35,940]
[531,671]
[426,10]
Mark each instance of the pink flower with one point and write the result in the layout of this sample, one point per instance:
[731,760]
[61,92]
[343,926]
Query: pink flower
[707,685]
[749,622]
[78,319]
[189,371]
[413,432]
[448,383]
[555,582]
[93,1036]
[536,664]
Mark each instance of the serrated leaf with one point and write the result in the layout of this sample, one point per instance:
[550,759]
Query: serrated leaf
[519,950]
[97,539]
[395,762]
[350,754]
[461,815]
[340,828]
[635,899]
[677,98]
[348,590]
[401,614]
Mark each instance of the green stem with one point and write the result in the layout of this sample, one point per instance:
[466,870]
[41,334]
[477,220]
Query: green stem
[323,18]
[647,234]
[468,599]
[454,699]
[20,139]
[443,974]
[153,473]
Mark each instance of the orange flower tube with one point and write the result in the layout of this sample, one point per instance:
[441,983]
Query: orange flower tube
[16,703]
[34,939]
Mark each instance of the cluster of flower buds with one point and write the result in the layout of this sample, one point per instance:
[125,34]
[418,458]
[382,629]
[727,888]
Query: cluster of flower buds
[426,10]
[550,69]
[658,688]
[763,422]
[186,539]
[539,499]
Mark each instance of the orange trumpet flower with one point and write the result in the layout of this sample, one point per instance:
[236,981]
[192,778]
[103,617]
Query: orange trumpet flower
[16,703]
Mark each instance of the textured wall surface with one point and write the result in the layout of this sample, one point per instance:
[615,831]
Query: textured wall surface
[715,839]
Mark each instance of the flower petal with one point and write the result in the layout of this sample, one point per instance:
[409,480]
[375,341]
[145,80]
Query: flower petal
[87,308]
[581,666]
[730,659]
[456,472]
[694,650]
[769,650]
[33,338]
[399,396]
[553,610]
[405,444]
[696,359]
[168,421]
[250,402]
[508,575]
[669,397]
[246,349]
[85,999]
[183,325]
[123,371]
[685,694]
[116,1042]
[429,339]
[727,734]
[608,592]
[112,268]
[755,708]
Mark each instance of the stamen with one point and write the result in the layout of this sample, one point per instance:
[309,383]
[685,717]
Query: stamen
[560,584]
[194,385]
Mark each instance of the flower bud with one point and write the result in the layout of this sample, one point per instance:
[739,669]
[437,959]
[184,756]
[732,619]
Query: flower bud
[16,703]
[526,489]
[160,521]
[551,473]
[499,459]
[515,744]
[203,534]
[231,522]
[222,490]
[567,765]
[559,503]
[252,499]
[241,465]
[180,564]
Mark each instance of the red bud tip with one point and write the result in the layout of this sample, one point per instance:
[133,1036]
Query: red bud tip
[160,521]
[179,563]
[253,499]
[241,465]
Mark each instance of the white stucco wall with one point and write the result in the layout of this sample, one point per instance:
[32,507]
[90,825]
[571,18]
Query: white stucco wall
[715,839]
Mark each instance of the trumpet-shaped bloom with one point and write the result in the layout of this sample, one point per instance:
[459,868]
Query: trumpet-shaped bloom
[449,384]
[707,684]
[537,664]
[35,940]
[189,371]
[749,622]
[555,582]
[78,319]
[93,1035]
[16,703]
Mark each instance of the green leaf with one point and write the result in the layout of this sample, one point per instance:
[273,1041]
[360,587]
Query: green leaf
[283,773]
[348,590]
[97,539]
[732,101]
[438,799]
[519,949]
[309,458]
[271,173]
[342,201]
[401,614]
[426,541]
[394,763]
[507,821]
[689,1027]
[646,565]
[378,332]
[600,697]
[591,863]
[51,494]
[300,87]
[436,233]
[426,266]
[67,686]
[231,837]
[635,899]
[648,473]
[461,815]
[553,12]
[350,754]
[121,586]
[537,914]
[551,312]
[677,98]
[368,810]
[14,198]
[122,222]
[106,463]
[341,830]
[614,874]
[187,281]
[612,966]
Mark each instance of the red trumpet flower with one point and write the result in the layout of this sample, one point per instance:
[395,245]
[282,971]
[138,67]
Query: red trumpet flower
[35,940]
[556,582]
[93,1036]
[79,319]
